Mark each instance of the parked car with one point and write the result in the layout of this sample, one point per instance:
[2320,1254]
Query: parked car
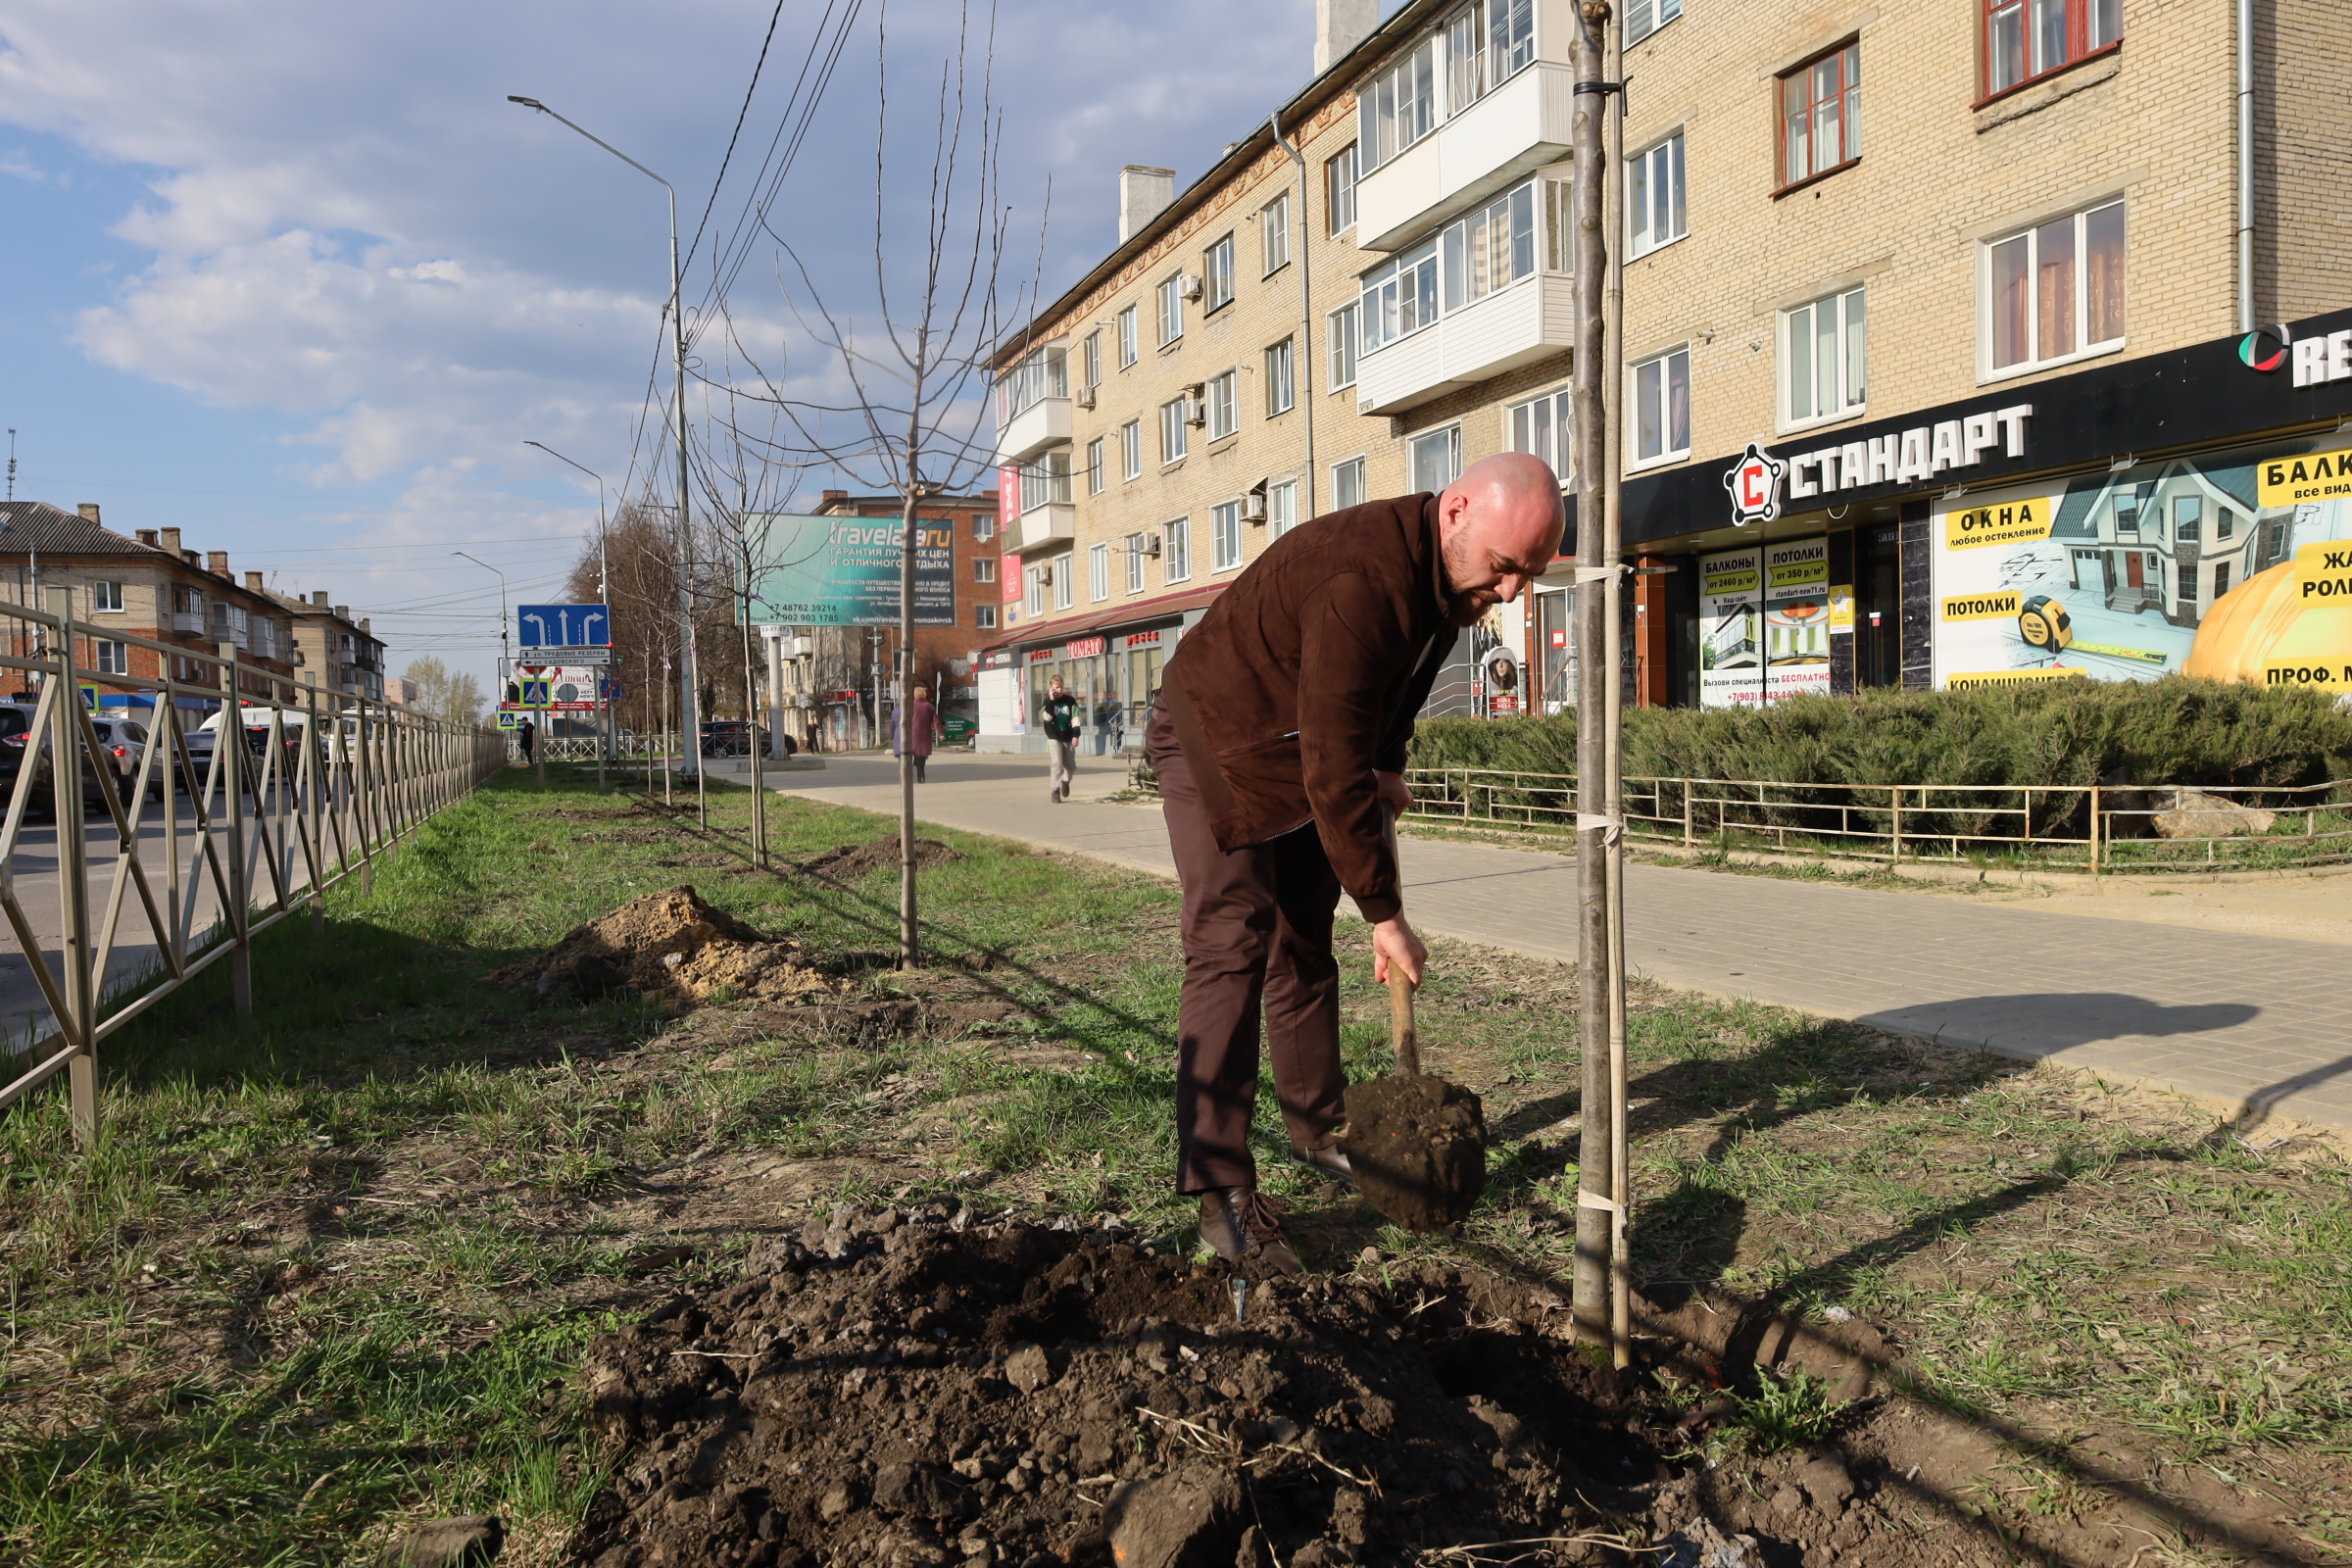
[293,725]
[731,737]
[122,744]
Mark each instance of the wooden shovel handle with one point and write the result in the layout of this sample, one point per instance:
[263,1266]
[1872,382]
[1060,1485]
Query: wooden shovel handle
[1401,1023]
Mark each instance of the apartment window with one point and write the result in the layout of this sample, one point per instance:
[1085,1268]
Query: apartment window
[1281,381]
[1646,17]
[106,595]
[1217,280]
[984,617]
[1339,191]
[1437,459]
[984,568]
[2029,38]
[1223,395]
[1176,552]
[1486,42]
[1282,508]
[1340,327]
[1065,581]
[1654,203]
[1046,478]
[1037,577]
[1094,357]
[1541,426]
[1126,338]
[1400,297]
[1559,227]
[1225,536]
[1822,359]
[1095,478]
[1171,309]
[1172,431]
[1041,373]
[1661,387]
[114,658]
[1098,573]
[2056,291]
[1821,114]
[1490,248]
[1274,234]
[1396,108]
[1131,450]
[1348,484]
[1135,562]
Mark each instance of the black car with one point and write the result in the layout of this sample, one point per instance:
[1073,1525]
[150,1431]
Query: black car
[122,743]
[731,737]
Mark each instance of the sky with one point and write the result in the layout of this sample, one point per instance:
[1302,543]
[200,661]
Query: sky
[299,280]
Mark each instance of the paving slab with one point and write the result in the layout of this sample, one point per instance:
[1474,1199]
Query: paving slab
[2255,1022]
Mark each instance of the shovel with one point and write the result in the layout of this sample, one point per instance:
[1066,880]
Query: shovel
[1417,1142]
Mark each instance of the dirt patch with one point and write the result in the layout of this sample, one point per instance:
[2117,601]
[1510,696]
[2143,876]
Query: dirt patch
[701,861]
[671,944]
[1418,1146]
[853,860]
[625,835]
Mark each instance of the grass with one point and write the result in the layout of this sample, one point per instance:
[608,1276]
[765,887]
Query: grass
[333,1270]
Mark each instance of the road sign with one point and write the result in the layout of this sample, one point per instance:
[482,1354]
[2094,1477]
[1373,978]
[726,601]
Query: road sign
[506,718]
[563,626]
[608,691]
[566,684]
[534,694]
[576,654]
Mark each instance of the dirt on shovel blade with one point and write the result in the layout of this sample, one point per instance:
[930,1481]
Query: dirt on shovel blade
[1418,1146]
[918,1388]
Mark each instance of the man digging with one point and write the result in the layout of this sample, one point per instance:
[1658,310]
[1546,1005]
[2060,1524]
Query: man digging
[1279,740]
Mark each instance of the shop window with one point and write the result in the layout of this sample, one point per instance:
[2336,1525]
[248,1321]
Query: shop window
[1282,508]
[1216,276]
[1661,391]
[2029,38]
[1655,205]
[1339,191]
[1646,17]
[1821,114]
[2055,292]
[1225,536]
[1541,426]
[1822,359]
[1098,573]
[1176,551]
[1348,484]
[1437,459]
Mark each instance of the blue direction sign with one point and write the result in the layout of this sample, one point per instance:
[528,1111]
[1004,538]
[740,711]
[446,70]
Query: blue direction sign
[564,627]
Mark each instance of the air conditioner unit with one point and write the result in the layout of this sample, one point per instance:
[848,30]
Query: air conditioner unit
[1150,547]
[1044,577]
[1196,412]
[1189,285]
[1254,507]
[1086,397]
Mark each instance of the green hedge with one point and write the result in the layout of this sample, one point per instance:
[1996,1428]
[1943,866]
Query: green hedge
[2077,732]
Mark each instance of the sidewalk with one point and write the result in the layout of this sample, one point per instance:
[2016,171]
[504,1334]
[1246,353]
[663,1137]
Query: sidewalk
[2237,1018]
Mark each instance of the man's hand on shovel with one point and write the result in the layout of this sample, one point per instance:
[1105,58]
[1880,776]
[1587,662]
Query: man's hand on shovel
[1393,941]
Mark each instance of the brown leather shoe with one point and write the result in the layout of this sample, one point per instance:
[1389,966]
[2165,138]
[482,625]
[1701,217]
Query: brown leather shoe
[1330,1160]
[1238,1224]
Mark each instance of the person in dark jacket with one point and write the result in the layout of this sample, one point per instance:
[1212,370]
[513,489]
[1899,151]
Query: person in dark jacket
[1279,741]
[1064,719]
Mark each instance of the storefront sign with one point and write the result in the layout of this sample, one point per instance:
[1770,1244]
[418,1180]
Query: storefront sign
[2007,677]
[1086,648]
[1042,656]
[1143,639]
[2319,477]
[1764,623]
[2335,677]
[2215,564]
[1754,483]
[2322,359]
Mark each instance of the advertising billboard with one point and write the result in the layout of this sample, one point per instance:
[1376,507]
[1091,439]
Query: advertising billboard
[844,571]
[2216,564]
[1764,623]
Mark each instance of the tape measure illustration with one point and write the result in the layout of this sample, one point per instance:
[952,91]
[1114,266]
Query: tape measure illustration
[2043,622]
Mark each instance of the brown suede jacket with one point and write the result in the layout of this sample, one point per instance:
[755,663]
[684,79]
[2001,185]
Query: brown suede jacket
[1302,680]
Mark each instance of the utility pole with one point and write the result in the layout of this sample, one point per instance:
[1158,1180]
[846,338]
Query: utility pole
[1597,1219]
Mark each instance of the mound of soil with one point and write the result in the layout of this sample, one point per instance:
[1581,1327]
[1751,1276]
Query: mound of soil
[919,1389]
[671,944]
[853,860]
[1418,1147]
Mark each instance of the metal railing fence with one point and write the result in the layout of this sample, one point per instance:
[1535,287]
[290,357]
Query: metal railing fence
[2094,827]
[212,843]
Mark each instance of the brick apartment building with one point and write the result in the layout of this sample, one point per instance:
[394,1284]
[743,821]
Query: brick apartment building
[155,589]
[347,657]
[2036,335]
[845,671]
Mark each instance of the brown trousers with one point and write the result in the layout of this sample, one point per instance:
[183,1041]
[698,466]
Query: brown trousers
[1256,931]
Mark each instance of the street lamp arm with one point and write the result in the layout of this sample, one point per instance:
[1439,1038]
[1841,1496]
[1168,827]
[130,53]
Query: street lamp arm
[533,103]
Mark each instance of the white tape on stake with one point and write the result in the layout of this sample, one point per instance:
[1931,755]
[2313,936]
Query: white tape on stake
[1611,828]
[1602,573]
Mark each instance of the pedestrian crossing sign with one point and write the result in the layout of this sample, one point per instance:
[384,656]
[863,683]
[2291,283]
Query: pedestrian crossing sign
[506,718]
[535,693]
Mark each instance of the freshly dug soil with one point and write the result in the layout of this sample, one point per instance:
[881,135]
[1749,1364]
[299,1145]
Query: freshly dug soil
[671,944]
[898,1388]
[1419,1149]
[853,860]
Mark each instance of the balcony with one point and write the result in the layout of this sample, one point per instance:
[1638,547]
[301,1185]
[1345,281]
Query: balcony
[1532,319]
[1041,424]
[1055,522]
[1517,128]
[188,620]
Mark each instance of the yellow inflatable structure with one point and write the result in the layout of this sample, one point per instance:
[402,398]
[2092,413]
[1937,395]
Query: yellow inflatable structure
[2264,621]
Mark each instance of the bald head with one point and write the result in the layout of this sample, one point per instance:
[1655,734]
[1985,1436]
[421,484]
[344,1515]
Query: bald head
[1497,526]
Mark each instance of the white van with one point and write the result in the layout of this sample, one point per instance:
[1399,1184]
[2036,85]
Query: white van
[293,723]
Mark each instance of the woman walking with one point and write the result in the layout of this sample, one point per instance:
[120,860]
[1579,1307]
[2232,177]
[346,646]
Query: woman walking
[919,720]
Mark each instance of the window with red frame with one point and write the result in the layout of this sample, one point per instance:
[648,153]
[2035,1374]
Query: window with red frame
[2029,38]
[1821,114]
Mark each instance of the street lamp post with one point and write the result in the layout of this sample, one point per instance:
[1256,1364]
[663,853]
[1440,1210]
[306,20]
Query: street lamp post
[604,592]
[506,655]
[691,754]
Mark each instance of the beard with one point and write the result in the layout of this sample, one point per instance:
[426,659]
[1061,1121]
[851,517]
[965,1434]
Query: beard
[1461,609]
